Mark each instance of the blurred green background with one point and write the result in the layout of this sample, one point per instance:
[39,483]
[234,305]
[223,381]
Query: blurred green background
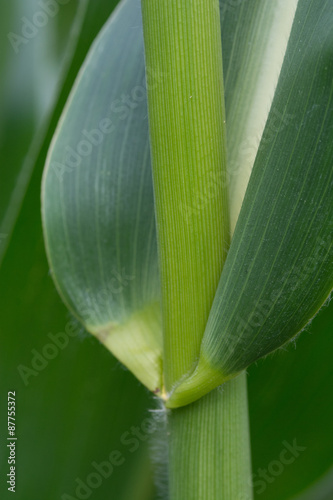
[73,408]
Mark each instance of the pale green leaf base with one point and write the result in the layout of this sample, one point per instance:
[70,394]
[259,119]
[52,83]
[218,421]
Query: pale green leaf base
[137,343]
[204,379]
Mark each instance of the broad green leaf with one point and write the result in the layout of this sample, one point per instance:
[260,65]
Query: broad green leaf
[279,269]
[98,206]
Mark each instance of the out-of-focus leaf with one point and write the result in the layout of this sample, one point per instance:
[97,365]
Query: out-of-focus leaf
[291,400]
[254,40]
[73,404]
[98,206]
[91,15]
[279,269]
[27,88]
[320,490]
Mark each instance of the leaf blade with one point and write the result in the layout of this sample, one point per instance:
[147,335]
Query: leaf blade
[98,207]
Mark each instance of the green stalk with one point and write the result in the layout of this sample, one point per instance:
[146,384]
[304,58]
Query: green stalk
[209,457]
[187,138]
[209,442]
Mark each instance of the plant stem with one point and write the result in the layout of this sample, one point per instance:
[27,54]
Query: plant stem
[187,138]
[209,457]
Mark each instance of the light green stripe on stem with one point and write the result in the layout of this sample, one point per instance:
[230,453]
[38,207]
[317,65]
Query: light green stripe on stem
[209,455]
[187,136]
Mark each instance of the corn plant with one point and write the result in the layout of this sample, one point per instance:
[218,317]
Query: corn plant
[187,209]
